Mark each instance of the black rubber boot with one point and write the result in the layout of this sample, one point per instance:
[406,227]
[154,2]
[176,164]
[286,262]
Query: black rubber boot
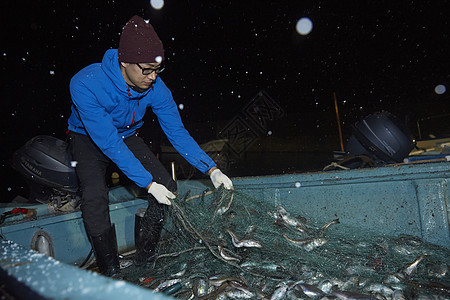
[106,255]
[147,231]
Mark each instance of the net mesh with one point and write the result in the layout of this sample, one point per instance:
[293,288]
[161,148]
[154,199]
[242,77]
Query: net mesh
[226,245]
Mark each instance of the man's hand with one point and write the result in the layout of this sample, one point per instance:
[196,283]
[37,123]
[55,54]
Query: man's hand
[218,178]
[161,193]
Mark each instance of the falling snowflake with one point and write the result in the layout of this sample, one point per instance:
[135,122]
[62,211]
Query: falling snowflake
[304,26]
[440,89]
[157,4]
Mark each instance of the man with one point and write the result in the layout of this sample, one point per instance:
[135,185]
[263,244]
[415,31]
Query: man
[109,102]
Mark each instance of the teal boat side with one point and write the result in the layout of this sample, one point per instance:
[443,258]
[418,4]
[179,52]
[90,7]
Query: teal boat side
[65,231]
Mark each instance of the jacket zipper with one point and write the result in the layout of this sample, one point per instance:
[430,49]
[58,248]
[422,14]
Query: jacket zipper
[132,120]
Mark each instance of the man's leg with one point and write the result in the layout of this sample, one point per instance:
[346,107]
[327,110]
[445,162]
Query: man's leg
[91,171]
[148,228]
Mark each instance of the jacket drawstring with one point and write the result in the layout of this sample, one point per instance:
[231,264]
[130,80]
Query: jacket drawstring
[129,98]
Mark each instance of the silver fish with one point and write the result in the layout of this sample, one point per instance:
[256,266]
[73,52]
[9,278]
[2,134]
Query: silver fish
[243,243]
[284,216]
[224,209]
[249,243]
[227,254]
[181,272]
[317,242]
[218,280]
[413,266]
[166,283]
[233,290]
[309,290]
[296,242]
[290,221]
[325,227]
[200,287]
[240,286]
[307,244]
[280,292]
[280,213]
[239,294]
[236,242]
[263,265]
[325,286]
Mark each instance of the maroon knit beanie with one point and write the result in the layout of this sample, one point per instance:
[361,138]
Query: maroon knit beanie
[139,43]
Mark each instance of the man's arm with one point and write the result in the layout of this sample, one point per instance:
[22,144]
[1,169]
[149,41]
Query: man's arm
[99,126]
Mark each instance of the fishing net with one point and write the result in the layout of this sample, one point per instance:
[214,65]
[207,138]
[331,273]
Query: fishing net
[226,245]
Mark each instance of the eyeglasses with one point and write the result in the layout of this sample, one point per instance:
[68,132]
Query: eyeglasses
[148,71]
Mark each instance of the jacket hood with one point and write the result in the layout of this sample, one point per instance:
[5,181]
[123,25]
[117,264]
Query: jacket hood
[110,65]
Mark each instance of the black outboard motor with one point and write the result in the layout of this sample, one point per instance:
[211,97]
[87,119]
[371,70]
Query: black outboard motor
[382,137]
[46,164]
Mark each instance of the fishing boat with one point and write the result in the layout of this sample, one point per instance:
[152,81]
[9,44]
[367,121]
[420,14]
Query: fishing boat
[41,248]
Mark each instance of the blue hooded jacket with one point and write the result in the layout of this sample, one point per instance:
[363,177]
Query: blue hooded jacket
[107,110]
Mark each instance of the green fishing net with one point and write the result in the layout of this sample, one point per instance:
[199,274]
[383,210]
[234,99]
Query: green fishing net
[226,245]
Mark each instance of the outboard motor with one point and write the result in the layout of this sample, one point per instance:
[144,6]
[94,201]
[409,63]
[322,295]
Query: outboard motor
[46,164]
[382,137]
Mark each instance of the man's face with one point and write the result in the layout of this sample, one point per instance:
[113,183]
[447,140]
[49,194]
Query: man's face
[141,75]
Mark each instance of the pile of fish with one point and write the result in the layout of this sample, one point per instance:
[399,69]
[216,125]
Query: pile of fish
[308,240]
[285,257]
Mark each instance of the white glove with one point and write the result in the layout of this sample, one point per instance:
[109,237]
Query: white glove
[218,178]
[161,193]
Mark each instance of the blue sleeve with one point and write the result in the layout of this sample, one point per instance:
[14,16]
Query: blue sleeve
[169,118]
[99,126]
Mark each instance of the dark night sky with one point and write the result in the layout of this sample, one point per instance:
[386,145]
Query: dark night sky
[376,55]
